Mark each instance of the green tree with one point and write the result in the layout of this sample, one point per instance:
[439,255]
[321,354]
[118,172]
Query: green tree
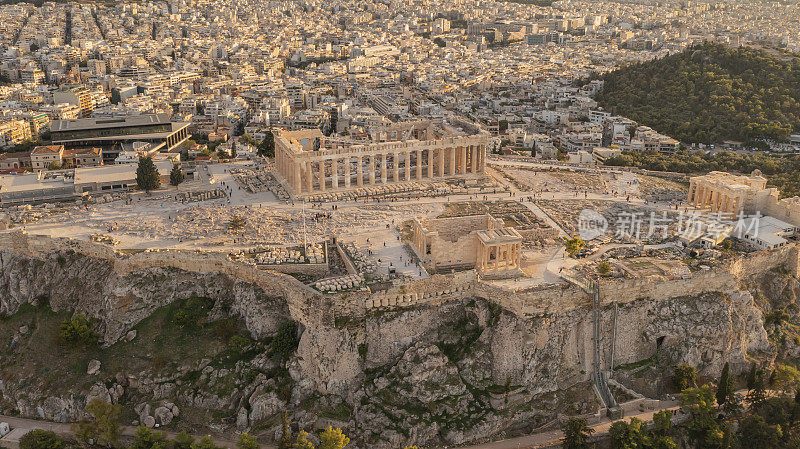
[603,268]
[78,330]
[233,150]
[176,175]
[147,177]
[302,441]
[146,438]
[246,441]
[662,422]
[576,434]
[751,377]
[786,378]
[285,341]
[684,376]
[103,427]
[205,443]
[573,245]
[755,433]
[333,439]
[182,440]
[267,146]
[247,139]
[725,385]
[41,439]
[703,430]
[758,393]
[630,435]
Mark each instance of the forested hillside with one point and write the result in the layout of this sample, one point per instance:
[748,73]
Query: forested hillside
[710,93]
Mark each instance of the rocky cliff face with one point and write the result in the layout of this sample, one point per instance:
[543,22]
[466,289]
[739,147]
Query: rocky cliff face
[467,370]
[70,281]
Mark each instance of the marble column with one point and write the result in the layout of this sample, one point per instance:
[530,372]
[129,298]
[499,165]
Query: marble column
[474,159]
[322,175]
[440,154]
[452,168]
[360,171]
[384,175]
[395,166]
[347,172]
[371,169]
[462,154]
[419,165]
[335,173]
[430,162]
[296,180]
[309,174]
[407,162]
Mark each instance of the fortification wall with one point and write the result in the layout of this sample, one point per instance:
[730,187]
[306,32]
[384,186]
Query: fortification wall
[433,290]
[309,306]
[537,301]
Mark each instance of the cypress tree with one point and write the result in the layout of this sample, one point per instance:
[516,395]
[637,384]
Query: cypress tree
[751,377]
[147,177]
[724,388]
[176,175]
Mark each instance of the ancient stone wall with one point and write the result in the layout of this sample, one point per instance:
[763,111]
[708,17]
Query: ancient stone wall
[453,228]
[433,290]
[309,306]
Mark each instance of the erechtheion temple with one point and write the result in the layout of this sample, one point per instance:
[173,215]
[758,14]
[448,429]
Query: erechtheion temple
[731,195]
[475,241]
[310,163]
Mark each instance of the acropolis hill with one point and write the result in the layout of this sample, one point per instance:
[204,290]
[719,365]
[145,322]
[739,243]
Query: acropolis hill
[448,312]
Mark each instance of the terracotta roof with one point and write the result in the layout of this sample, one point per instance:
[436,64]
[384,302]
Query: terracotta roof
[47,149]
[83,151]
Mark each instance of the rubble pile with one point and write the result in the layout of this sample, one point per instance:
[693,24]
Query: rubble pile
[361,260]
[200,195]
[251,180]
[341,283]
[399,190]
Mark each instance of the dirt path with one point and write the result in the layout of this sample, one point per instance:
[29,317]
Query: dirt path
[128,431]
[553,437]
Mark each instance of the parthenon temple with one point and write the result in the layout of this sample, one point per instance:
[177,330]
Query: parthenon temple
[309,162]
